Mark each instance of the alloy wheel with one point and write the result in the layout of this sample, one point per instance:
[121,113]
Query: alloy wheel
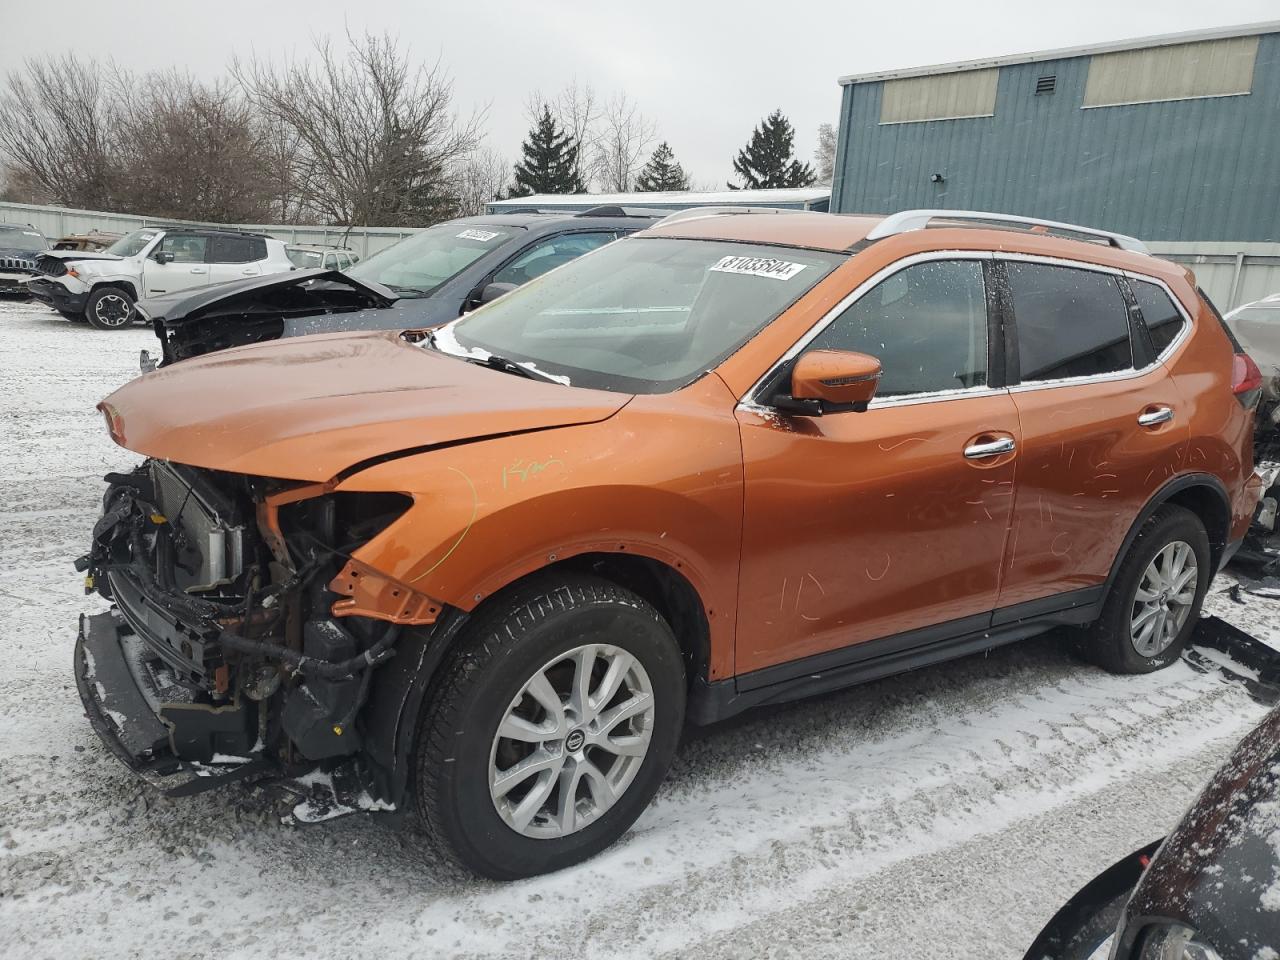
[1164,598]
[571,741]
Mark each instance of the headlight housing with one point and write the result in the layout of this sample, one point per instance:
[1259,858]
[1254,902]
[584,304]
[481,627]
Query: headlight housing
[1173,941]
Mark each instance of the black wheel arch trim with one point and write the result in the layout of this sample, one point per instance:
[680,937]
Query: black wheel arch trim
[124,286]
[1186,481]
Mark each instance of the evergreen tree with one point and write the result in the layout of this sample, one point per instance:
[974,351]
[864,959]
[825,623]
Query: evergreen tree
[662,172]
[766,160]
[550,163]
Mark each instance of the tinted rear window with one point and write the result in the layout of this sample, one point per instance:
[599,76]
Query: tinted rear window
[1070,323]
[1162,319]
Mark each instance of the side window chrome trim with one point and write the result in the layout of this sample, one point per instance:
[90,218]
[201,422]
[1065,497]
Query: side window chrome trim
[1187,322]
[751,402]
[1129,374]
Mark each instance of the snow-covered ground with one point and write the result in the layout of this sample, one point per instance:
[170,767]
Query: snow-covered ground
[946,813]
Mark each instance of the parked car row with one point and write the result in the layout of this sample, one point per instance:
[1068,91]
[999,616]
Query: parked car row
[423,281]
[488,565]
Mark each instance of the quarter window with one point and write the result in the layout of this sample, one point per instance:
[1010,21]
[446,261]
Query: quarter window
[1070,323]
[926,324]
[1161,317]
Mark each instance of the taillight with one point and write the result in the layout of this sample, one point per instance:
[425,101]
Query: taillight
[1246,379]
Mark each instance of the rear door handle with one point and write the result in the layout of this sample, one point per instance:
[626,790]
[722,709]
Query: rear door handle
[1154,415]
[197,269]
[992,448]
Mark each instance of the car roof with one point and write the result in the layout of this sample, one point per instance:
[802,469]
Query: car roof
[818,231]
[546,221]
[851,233]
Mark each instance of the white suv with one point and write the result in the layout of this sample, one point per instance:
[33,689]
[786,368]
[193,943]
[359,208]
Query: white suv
[102,288]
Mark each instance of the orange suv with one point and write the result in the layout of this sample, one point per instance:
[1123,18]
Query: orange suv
[488,571]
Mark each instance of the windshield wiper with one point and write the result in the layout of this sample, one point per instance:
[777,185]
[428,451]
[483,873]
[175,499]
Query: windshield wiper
[494,362]
[415,291]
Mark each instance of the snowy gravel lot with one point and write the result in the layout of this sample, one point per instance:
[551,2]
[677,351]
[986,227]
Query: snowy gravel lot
[947,813]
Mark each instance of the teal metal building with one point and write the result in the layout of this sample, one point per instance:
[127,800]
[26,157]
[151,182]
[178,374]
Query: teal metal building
[1173,138]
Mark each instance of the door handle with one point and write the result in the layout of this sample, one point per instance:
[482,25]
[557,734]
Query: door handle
[1154,415]
[197,269]
[251,272]
[992,448]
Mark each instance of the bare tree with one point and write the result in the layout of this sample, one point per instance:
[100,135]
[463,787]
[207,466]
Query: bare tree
[621,144]
[290,169]
[60,130]
[479,179]
[577,110]
[825,155]
[201,156]
[380,135]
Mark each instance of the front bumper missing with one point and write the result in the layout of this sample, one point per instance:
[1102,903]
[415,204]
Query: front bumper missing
[187,748]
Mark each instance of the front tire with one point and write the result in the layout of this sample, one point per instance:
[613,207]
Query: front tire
[553,725]
[109,308]
[1154,604]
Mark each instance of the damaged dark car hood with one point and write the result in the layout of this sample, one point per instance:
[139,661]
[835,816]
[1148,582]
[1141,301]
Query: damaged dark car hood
[190,323]
[309,408]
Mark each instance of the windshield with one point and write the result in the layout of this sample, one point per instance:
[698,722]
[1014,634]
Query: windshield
[307,259]
[415,266]
[131,244]
[24,239]
[645,315]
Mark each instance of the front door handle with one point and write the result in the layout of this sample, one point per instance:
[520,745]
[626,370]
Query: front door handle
[1154,415]
[197,269]
[991,448]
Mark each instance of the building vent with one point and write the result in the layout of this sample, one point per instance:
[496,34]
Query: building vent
[1046,85]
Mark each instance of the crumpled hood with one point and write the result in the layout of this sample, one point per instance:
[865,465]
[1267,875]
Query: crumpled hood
[80,255]
[310,407]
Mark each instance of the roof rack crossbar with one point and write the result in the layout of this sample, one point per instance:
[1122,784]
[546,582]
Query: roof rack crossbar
[907,220]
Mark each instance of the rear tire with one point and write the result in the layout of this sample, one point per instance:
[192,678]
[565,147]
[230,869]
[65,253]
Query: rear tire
[1155,601]
[501,805]
[110,308]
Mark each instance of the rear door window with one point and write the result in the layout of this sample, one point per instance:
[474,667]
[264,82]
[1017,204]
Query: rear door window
[1070,322]
[926,324]
[1161,318]
[235,250]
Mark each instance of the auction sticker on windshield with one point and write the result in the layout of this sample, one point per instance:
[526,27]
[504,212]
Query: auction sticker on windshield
[484,236]
[759,267]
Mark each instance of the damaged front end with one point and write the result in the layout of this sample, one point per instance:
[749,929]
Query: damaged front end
[244,638]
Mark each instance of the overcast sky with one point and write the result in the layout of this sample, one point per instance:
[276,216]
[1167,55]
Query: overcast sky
[705,72]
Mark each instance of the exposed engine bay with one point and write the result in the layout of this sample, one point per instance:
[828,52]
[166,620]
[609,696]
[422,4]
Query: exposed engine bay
[221,653]
[190,324]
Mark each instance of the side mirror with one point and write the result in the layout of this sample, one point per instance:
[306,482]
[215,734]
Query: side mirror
[492,291]
[162,256]
[830,381]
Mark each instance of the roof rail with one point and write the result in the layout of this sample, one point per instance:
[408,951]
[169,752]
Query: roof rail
[696,213]
[908,220]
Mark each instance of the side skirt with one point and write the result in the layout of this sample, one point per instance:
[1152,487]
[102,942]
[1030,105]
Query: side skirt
[711,702]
